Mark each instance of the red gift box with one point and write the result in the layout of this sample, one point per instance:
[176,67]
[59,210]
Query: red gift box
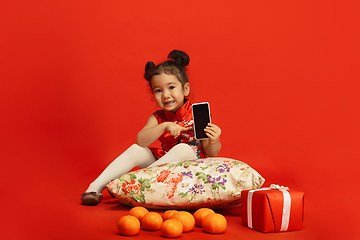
[272,209]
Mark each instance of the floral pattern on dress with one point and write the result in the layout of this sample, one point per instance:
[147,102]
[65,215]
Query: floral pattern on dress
[190,184]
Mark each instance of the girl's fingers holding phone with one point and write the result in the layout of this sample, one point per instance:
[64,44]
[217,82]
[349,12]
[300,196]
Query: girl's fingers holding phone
[213,126]
[213,130]
[209,130]
[213,139]
[210,136]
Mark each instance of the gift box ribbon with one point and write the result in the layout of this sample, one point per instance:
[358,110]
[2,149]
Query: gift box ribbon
[286,206]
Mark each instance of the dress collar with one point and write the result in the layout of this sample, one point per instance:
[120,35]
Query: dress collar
[184,112]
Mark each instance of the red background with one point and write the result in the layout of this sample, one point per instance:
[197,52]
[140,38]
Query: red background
[281,77]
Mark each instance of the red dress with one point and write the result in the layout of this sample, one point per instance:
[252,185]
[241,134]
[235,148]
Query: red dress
[183,117]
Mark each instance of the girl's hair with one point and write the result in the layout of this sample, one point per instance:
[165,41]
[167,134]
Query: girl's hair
[176,64]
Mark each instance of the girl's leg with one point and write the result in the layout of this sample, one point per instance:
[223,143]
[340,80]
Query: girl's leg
[180,152]
[132,157]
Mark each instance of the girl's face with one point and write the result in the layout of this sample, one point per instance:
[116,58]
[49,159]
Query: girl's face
[168,91]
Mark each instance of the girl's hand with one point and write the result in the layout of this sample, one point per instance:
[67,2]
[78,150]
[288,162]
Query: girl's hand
[212,146]
[213,132]
[175,129]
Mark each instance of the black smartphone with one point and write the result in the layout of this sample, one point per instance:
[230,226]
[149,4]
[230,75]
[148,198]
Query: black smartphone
[201,117]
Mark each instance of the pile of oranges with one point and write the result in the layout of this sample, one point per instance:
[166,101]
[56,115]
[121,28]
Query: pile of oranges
[172,223]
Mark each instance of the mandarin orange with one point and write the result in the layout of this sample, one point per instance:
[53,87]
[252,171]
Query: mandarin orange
[167,214]
[138,212]
[200,214]
[152,221]
[128,225]
[171,228]
[214,223]
[186,219]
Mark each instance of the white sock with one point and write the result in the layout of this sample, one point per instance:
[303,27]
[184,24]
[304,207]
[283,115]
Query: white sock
[141,157]
[132,157]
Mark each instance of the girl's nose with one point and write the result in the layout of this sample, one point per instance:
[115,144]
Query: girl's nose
[166,94]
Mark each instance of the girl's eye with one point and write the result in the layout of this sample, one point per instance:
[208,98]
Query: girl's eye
[172,87]
[157,91]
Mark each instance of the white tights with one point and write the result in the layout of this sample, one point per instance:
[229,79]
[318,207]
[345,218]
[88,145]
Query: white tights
[141,157]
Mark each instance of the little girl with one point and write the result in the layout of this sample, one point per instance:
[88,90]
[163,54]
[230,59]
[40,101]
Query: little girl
[172,126]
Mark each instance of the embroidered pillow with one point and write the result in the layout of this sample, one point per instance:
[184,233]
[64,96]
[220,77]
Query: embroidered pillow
[209,182]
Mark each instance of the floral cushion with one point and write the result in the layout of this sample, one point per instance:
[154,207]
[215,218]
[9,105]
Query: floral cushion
[210,182]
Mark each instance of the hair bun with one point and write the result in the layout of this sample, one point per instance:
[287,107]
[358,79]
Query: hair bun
[148,67]
[179,57]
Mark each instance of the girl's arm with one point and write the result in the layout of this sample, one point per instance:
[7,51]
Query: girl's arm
[153,130]
[212,146]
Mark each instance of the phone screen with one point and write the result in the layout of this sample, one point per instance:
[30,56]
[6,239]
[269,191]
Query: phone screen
[201,116]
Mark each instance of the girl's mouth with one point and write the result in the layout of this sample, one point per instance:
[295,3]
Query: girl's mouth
[169,102]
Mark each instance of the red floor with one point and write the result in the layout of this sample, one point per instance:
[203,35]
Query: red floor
[46,211]
[42,183]
[74,221]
